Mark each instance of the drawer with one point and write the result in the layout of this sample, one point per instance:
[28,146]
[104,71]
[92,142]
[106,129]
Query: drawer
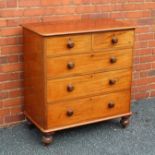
[86,63]
[88,109]
[80,86]
[114,39]
[69,44]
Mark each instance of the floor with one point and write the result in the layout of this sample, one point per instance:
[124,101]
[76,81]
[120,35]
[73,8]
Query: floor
[106,138]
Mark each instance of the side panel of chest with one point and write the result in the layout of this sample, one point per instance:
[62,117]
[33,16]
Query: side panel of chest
[34,79]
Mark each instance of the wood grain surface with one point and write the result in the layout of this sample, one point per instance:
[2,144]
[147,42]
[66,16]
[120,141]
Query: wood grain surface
[85,85]
[58,45]
[104,40]
[77,72]
[85,25]
[86,109]
[34,85]
[102,60]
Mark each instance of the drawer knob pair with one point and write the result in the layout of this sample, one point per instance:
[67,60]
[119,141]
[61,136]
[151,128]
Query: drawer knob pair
[111,105]
[113,59]
[70,88]
[70,44]
[70,65]
[114,40]
[112,81]
[69,112]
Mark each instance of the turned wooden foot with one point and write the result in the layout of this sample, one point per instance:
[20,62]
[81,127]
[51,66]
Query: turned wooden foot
[125,121]
[47,138]
[30,124]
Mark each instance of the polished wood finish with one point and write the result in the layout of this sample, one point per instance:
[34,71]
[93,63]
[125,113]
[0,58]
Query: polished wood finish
[77,73]
[103,60]
[34,78]
[59,45]
[77,26]
[115,39]
[86,85]
[86,109]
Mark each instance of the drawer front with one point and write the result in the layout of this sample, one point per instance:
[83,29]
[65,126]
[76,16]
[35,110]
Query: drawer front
[86,63]
[113,39]
[68,88]
[61,45]
[87,109]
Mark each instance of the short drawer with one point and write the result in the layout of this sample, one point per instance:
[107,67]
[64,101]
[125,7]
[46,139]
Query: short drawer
[114,39]
[87,63]
[68,44]
[80,86]
[88,109]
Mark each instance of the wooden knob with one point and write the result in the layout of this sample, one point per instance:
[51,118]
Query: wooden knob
[111,105]
[70,65]
[70,44]
[69,112]
[112,81]
[70,88]
[113,59]
[114,40]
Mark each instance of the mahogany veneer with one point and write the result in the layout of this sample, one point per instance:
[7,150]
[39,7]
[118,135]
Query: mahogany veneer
[77,72]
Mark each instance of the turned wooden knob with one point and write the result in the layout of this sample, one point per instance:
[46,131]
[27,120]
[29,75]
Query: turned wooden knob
[112,81]
[70,88]
[113,59]
[70,65]
[70,44]
[111,105]
[114,40]
[69,112]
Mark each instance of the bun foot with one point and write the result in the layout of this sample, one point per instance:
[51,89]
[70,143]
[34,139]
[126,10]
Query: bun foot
[30,124]
[125,121]
[47,138]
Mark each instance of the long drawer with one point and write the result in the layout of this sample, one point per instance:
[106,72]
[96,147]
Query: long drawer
[68,44]
[87,109]
[86,63]
[80,86]
[114,39]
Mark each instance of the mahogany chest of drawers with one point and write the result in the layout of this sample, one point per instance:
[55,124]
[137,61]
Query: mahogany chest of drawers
[76,73]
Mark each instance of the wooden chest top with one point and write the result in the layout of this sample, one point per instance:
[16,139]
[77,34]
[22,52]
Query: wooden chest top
[77,26]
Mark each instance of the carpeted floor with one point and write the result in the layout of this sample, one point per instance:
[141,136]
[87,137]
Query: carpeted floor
[106,138]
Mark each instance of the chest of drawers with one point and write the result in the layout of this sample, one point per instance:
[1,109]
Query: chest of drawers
[76,73]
